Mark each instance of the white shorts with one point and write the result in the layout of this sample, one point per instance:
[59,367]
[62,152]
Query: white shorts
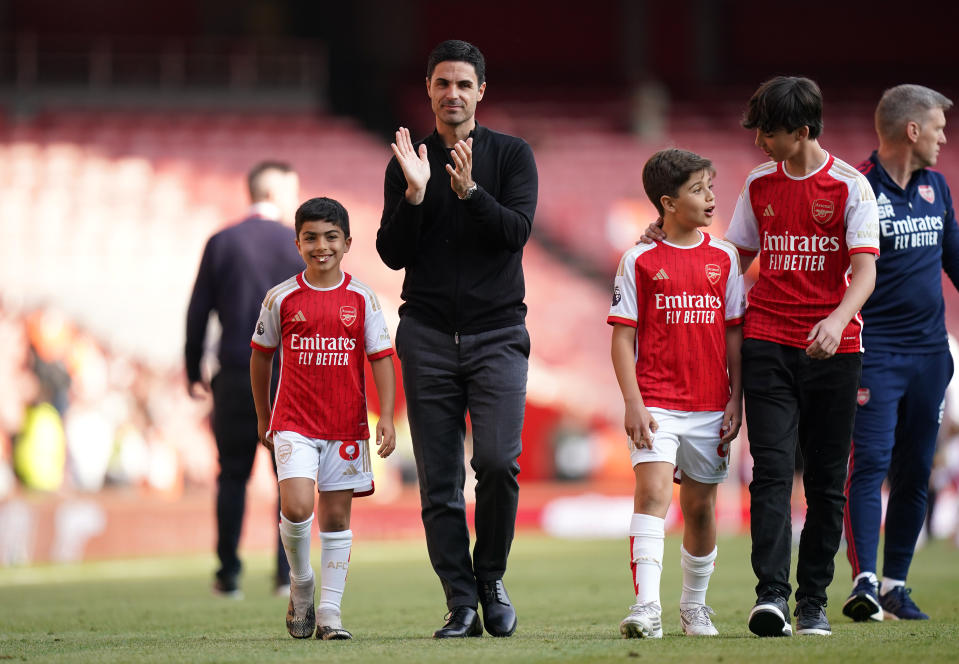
[333,464]
[690,441]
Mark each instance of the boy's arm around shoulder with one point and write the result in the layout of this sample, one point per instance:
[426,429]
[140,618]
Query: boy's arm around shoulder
[384,377]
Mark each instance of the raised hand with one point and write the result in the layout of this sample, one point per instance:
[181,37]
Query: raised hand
[415,165]
[461,176]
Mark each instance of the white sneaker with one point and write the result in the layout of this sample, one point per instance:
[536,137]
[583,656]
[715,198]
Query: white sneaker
[643,622]
[696,621]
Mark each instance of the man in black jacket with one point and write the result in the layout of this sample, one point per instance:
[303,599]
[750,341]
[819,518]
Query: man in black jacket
[240,263]
[458,210]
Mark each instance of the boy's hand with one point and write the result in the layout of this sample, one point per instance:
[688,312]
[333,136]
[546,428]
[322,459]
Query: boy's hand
[825,337]
[640,426]
[654,233]
[198,390]
[416,167]
[261,426]
[385,438]
[732,421]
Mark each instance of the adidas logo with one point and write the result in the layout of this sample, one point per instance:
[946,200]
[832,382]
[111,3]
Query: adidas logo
[768,212]
[299,317]
[660,275]
[883,199]
[351,470]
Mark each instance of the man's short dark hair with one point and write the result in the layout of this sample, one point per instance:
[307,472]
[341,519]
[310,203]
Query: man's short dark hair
[785,102]
[457,51]
[323,209]
[668,170]
[254,179]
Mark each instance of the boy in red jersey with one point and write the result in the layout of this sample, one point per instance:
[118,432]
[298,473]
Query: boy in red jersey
[814,222]
[684,299]
[324,322]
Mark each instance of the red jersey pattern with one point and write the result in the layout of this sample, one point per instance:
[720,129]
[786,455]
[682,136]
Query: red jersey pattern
[680,299]
[804,230]
[323,336]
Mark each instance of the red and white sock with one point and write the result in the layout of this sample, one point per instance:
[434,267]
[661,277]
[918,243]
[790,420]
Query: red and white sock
[646,541]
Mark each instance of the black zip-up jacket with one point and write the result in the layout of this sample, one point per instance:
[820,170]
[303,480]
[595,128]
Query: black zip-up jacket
[463,259]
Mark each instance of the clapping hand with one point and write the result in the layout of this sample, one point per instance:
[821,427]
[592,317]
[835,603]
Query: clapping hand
[415,165]
[461,175]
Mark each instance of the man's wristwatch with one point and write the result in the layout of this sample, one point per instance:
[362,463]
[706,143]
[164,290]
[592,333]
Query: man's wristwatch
[469,192]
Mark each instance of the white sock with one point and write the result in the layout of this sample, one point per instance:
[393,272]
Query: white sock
[646,540]
[296,543]
[888,584]
[865,575]
[335,566]
[696,573]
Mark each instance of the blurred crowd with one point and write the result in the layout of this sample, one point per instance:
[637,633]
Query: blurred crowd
[77,416]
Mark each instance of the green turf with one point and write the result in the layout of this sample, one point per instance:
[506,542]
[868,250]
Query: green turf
[570,596]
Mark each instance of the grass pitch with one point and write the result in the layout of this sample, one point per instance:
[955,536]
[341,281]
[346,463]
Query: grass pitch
[570,597]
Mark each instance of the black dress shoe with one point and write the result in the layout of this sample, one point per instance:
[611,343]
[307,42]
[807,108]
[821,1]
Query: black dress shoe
[498,612]
[460,621]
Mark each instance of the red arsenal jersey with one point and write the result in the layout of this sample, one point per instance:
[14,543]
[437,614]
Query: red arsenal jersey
[680,299]
[323,334]
[804,229]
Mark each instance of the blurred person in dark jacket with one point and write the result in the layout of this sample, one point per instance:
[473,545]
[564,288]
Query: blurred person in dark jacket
[239,264]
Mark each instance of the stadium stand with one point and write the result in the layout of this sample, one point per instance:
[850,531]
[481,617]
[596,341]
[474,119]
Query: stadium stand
[103,216]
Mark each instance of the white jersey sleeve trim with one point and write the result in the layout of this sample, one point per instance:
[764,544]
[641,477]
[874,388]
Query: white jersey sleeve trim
[280,291]
[625,305]
[862,211]
[267,333]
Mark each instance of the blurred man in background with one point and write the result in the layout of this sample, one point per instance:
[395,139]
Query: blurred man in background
[239,264]
[907,364]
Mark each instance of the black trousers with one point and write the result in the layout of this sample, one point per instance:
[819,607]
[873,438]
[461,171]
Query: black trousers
[444,379]
[234,427]
[792,399]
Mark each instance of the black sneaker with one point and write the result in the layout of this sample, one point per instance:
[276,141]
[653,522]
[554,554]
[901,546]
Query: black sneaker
[811,617]
[863,602]
[898,605]
[770,616]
